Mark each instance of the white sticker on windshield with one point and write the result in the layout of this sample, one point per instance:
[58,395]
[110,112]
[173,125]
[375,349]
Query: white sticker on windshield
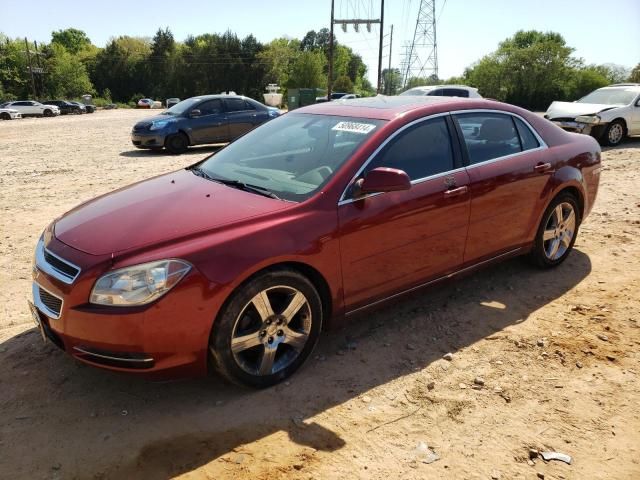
[354,127]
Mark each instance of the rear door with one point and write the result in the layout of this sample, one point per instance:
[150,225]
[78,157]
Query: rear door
[212,125]
[242,116]
[508,174]
[392,241]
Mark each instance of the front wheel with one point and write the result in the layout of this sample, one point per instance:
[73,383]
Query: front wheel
[614,134]
[557,232]
[5,116]
[177,143]
[267,330]
[48,113]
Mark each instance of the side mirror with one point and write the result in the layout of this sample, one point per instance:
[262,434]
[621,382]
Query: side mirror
[383,179]
[195,113]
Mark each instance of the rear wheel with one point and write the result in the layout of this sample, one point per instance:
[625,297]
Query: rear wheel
[614,134]
[557,232]
[267,330]
[177,143]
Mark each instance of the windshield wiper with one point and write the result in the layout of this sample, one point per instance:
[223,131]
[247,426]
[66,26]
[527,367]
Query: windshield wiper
[236,184]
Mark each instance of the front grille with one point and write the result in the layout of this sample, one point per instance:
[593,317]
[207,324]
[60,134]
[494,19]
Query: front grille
[53,303]
[60,265]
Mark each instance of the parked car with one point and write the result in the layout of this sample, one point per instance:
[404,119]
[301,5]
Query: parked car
[350,96]
[240,260]
[443,91]
[334,96]
[30,108]
[86,108]
[172,101]
[608,114]
[64,106]
[9,113]
[145,103]
[201,120]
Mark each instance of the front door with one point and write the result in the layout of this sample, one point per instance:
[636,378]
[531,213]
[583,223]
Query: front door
[211,126]
[393,241]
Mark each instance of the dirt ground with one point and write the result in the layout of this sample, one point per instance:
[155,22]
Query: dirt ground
[558,352]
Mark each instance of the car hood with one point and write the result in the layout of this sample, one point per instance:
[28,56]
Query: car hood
[574,109]
[160,209]
[149,120]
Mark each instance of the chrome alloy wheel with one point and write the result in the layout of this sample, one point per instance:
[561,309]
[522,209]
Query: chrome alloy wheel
[559,231]
[616,132]
[271,330]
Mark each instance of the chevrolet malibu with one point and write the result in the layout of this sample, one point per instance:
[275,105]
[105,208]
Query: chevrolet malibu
[238,262]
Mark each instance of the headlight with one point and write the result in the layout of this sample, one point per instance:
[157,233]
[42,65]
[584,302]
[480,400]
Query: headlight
[159,125]
[592,119]
[139,284]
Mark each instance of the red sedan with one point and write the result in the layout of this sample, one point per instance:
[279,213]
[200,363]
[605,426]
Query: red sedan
[240,260]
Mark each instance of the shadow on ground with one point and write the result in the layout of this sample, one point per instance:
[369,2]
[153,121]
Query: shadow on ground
[90,423]
[630,142]
[143,152]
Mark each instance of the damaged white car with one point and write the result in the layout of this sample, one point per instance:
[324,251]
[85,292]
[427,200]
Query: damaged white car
[608,114]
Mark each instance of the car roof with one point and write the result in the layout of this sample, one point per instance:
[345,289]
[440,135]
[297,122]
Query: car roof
[623,86]
[386,108]
[220,95]
[431,87]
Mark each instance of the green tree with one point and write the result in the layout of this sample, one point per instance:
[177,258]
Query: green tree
[72,39]
[530,69]
[307,70]
[391,81]
[67,76]
[343,84]
[635,74]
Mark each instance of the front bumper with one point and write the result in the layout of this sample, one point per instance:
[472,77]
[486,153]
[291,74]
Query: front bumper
[147,139]
[593,129]
[165,339]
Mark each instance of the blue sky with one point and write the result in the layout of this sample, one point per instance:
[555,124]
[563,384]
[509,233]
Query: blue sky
[601,32]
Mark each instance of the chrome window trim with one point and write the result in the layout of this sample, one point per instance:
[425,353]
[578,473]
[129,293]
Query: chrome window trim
[35,290]
[49,269]
[543,146]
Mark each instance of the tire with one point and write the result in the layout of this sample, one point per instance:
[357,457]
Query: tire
[47,113]
[177,143]
[5,116]
[554,240]
[614,134]
[276,344]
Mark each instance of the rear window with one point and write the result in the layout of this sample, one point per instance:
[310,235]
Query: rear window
[235,104]
[488,135]
[528,139]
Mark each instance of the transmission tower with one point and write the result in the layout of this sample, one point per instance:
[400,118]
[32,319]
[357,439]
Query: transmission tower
[421,55]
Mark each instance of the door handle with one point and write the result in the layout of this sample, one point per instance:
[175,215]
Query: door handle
[542,167]
[454,192]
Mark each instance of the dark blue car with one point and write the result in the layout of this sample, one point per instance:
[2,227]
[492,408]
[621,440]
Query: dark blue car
[201,120]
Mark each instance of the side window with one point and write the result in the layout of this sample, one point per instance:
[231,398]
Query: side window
[22,104]
[210,107]
[234,104]
[488,135]
[248,105]
[456,92]
[438,92]
[528,139]
[421,151]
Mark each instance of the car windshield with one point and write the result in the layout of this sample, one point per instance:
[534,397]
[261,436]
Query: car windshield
[182,107]
[610,96]
[292,156]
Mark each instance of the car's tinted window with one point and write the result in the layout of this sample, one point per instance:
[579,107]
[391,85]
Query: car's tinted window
[22,104]
[248,105]
[455,92]
[234,104]
[421,151]
[527,137]
[488,135]
[210,107]
[438,92]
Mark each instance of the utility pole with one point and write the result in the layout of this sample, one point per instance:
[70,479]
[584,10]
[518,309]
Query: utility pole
[380,48]
[421,55]
[390,46]
[356,22]
[330,79]
[33,80]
